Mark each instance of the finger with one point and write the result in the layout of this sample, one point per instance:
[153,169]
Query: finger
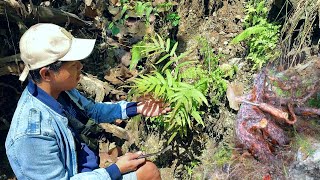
[156,110]
[165,110]
[134,164]
[135,155]
[137,162]
[162,104]
[149,109]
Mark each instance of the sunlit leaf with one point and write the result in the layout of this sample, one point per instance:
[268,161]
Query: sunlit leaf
[172,137]
[174,48]
[162,90]
[201,96]
[169,77]
[168,45]
[161,42]
[157,90]
[155,42]
[160,77]
[151,87]
[197,117]
[163,58]
[135,56]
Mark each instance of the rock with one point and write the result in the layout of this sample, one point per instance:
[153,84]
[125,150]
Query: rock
[306,166]
[152,18]
[235,61]
[123,56]
[238,17]
[88,2]
[226,51]
[214,14]
[231,35]
[47,3]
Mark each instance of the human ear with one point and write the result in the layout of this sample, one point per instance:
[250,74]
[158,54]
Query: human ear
[45,74]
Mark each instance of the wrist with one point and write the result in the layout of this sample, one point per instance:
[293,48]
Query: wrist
[139,108]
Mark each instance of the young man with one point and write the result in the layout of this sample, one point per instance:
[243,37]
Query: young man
[42,143]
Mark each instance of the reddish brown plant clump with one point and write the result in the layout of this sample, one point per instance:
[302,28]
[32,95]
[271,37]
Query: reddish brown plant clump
[262,113]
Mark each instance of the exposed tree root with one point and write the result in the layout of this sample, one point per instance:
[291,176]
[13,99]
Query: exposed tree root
[273,103]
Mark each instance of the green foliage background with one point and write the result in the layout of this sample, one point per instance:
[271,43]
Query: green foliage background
[260,35]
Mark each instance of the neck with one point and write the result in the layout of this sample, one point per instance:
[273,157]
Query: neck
[49,90]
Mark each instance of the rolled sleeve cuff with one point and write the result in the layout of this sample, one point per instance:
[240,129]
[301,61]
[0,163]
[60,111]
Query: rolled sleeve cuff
[131,109]
[113,172]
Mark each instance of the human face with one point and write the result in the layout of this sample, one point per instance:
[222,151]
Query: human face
[68,76]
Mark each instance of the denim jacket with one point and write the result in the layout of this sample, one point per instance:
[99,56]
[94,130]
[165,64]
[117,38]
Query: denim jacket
[40,145]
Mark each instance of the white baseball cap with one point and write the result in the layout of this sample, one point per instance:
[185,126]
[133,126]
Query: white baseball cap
[44,43]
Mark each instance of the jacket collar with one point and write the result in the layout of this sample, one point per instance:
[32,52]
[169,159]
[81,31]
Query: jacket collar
[44,97]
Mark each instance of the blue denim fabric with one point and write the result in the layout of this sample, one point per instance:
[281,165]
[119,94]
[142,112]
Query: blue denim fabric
[40,145]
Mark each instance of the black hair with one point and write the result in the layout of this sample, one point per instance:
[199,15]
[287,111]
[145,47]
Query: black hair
[35,74]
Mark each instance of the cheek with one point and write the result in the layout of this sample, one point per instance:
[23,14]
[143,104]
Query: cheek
[67,79]
[62,76]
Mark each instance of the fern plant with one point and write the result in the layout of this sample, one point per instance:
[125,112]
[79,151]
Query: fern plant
[153,46]
[260,35]
[184,85]
[186,99]
[174,18]
[216,74]
[143,8]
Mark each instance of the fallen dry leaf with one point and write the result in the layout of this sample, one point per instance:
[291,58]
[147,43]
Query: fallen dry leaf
[234,90]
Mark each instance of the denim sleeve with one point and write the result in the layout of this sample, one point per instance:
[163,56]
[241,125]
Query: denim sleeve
[47,164]
[102,112]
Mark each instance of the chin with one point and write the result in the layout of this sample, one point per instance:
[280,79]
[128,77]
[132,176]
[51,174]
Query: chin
[71,86]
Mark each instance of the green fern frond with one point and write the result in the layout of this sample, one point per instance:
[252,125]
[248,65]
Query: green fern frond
[197,117]
[182,96]
[247,33]
[174,134]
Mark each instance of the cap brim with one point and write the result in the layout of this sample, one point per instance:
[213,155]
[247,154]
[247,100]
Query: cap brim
[80,49]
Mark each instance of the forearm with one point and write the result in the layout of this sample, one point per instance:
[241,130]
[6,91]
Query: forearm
[104,112]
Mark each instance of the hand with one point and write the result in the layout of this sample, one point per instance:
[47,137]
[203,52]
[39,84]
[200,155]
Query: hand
[150,107]
[128,162]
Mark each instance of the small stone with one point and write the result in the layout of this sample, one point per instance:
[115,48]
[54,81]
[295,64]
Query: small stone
[226,51]
[47,3]
[238,17]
